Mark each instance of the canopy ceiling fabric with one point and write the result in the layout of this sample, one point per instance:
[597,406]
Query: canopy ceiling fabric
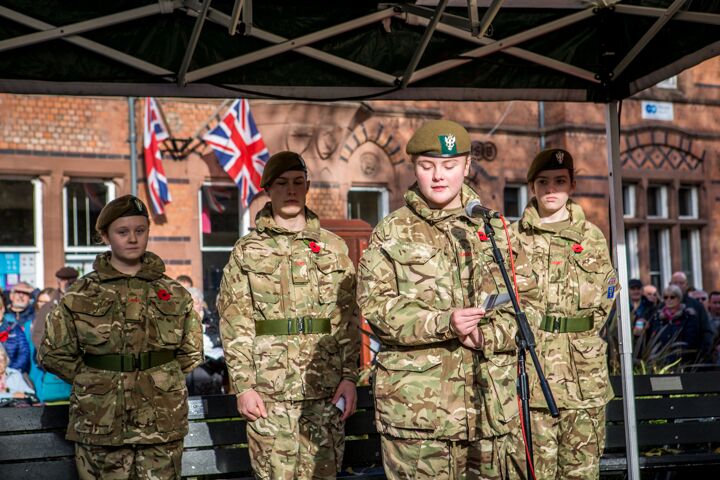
[573,50]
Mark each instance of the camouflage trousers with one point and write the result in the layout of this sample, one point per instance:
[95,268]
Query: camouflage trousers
[568,447]
[147,462]
[298,440]
[409,459]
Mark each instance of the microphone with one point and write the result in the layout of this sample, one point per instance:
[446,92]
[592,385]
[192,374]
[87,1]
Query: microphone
[475,209]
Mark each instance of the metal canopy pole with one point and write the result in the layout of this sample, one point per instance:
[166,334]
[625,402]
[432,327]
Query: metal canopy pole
[192,44]
[612,126]
[503,44]
[649,35]
[82,27]
[424,41]
[132,140]
[288,46]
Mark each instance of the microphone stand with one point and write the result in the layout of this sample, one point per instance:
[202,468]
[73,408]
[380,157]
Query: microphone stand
[525,341]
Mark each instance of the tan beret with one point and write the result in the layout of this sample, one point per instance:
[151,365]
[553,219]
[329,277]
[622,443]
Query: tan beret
[125,206]
[439,138]
[280,163]
[550,159]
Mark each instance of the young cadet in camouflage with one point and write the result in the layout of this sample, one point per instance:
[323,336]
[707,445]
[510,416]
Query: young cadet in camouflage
[287,320]
[578,284]
[124,336]
[444,387]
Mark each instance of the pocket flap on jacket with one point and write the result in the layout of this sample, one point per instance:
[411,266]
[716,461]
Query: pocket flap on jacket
[589,347]
[168,307]
[409,253]
[260,261]
[407,361]
[96,307]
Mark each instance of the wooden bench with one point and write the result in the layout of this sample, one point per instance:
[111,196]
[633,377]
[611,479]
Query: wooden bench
[33,445]
[677,411]
[678,424]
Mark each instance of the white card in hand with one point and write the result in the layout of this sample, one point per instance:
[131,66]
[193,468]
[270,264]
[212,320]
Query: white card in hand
[340,404]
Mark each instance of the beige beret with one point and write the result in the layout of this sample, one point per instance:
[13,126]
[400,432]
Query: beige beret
[439,138]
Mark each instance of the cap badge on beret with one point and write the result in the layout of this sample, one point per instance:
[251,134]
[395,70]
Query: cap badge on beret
[138,204]
[448,144]
[560,156]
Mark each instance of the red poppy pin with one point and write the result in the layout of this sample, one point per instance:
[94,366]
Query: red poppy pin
[4,335]
[482,236]
[163,295]
[577,248]
[314,247]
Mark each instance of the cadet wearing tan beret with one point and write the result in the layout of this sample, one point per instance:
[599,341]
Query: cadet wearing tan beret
[439,138]
[444,386]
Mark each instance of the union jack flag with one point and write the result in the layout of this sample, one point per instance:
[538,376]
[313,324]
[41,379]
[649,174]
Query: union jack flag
[155,132]
[240,149]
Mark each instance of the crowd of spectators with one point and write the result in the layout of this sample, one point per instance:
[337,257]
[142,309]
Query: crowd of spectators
[680,328]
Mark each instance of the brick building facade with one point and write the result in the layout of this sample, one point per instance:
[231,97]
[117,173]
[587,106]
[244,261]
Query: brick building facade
[61,158]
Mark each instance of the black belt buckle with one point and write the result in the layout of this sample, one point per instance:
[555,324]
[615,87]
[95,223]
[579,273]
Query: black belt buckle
[301,324]
[556,325]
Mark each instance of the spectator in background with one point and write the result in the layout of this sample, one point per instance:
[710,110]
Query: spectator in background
[14,343]
[714,311]
[641,309]
[185,281]
[208,378]
[650,292]
[21,310]
[12,384]
[48,386]
[674,322]
[706,333]
[701,296]
[65,277]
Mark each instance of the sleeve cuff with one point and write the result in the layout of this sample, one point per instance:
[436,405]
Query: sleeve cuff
[488,333]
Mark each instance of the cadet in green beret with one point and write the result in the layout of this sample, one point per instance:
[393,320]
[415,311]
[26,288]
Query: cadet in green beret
[578,286]
[444,386]
[288,326]
[124,336]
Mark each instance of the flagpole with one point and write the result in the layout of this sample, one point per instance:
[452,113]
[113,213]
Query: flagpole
[133,146]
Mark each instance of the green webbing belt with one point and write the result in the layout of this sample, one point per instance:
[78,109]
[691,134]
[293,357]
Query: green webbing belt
[292,326]
[128,362]
[566,324]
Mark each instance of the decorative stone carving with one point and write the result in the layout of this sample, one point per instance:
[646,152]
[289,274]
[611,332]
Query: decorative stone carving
[327,141]
[369,163]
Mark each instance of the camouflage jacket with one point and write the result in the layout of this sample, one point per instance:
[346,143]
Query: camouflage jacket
[273,274]
[576,279]
[108,312]
[421,265]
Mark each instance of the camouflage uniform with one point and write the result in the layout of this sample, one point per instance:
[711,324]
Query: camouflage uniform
[127,424]
[578,283]
[303,281]
[434,399]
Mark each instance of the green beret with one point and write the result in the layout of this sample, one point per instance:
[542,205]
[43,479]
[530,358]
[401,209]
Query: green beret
[550,159]
[439,138]
[125,206]
[280,163]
